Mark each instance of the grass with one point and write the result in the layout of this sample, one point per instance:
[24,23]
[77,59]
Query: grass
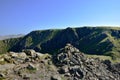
[104,58]
[2,62]
[31,70]
[41,76]
[94,40]
[3,79]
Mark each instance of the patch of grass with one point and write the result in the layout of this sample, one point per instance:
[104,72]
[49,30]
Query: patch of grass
[41,76]
[31,70]
[2,62]
[3,79]
[104,58]
[100,56]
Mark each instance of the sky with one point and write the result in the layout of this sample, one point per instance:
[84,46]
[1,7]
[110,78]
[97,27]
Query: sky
[23,16]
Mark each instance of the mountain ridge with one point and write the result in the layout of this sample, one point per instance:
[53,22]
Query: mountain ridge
[11,36]
[90,40]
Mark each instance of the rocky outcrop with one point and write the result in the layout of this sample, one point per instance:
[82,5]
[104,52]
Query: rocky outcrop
[68,64]
[74,65]
[27,65]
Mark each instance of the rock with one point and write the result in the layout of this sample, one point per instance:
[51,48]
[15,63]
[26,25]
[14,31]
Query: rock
[56,77]
[1,59]
[22,55]
[68,64]
[80,74]
[63,70]
[67,74]
[30,52]
[70,56]
[26,77]
[31,66]
[2,75]
[28,60]
[67,45]
[13,54]
[71,48]
[16,57]
[50,62]
[8,59]
[38,55]
[73,62]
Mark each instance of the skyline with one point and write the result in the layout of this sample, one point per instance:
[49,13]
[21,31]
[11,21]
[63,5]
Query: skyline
[23,16]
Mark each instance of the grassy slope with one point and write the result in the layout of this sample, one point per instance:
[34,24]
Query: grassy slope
[34,40]
[5,45]
[101,57]
[90,40]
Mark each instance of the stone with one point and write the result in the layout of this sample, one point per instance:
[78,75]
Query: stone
[50,62]
[26,77]
[79,74]
[8,59]
[31,66]
[63,70]
[13,54]
[67,74]
[56,77]
[76,62]
[2,75]
[28,60]
[22,55]
[68,44]
[38,55]
[81,67]
[1,59]
[30,52]
[68,64]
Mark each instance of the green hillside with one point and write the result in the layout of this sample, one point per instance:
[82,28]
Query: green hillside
[90,40]
[5,45]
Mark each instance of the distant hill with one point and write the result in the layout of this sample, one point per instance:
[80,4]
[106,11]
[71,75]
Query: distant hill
[10,36]
[90,40]
[6,45]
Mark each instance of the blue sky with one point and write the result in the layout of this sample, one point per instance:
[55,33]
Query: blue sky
[23,16]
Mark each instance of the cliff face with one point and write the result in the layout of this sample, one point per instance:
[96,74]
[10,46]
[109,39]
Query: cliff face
[90,40]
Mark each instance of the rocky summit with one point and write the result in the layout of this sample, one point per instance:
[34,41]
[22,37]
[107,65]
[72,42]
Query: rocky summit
[74,65]
[68,64]
[26,65]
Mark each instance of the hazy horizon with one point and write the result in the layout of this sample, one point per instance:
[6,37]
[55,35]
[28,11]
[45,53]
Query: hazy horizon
[23,16]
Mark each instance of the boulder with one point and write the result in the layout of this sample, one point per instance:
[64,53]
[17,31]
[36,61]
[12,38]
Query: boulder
[13,54]
[39,54]
[22,55]
[29,52]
